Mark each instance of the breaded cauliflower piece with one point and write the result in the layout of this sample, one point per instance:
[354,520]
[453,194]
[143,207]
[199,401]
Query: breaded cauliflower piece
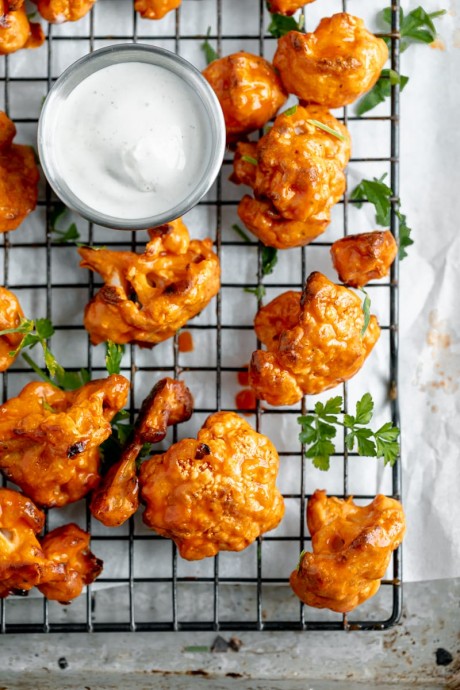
[217,493]
[361,258]
[49,438]
[249,91]
[286,7]
[23,563]
[147,297]
[68,547]
[334,65]
[18,177]
[352,547]
[155,9]
[317,344]
[60,11]
[11,315]
[297,179]
[16,31]
[117,498]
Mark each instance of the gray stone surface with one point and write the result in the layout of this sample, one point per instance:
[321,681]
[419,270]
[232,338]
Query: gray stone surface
[402,657]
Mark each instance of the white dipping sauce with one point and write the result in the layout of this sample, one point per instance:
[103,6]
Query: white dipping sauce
[129,140]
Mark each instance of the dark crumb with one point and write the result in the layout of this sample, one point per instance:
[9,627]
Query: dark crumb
[443,657]
[62,662]
[234,675]
[235,644]
[198,672]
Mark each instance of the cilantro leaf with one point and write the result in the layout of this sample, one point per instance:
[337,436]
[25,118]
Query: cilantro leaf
[415,27]
[366,447]
[269,260]
[281,25]
[387,446]
[239,231]
[210,54]
[366,311]
[381,91]
[258,291]
[113,356]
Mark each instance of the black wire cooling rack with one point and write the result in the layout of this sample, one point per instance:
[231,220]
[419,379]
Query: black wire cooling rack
[164,595]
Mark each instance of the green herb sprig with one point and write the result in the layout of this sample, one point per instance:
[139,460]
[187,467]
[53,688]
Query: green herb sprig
[209,53]
[249,159]
[325,128]
[113,356]
[381,91]
[379,194]
[69,235]
[281,25]
[269,260]
[366,312]
[258,291]
[320,427]
[415,27]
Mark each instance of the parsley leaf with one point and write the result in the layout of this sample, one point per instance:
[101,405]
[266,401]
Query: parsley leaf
[379,194]
[320,428]
[239,231]
[366,311]
[209,52]
[281,25]
[405,239]
[258,291]
[415,27]
[269,260]
[249,159]
[381,91]
[69,235]
[325,128]
[113,356]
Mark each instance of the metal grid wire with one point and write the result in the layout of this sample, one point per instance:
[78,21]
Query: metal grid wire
[243,600]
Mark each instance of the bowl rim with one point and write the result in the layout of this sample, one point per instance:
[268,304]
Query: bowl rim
[82,68]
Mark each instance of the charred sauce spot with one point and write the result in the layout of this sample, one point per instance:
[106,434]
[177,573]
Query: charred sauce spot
[201,451]
[76,449]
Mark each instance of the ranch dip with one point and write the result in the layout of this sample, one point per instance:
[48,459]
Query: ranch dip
[130,140]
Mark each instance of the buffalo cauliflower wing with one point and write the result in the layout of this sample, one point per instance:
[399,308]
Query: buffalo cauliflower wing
[18,177]
[314,341]
[352,547]
[216,493]
[11,316]
[155,9]
[23,563]
[68,548]
[60,11]
[361,258]
[287,7]
[117,498]
[333,66]
[49,438]
[296,174]
[16,31]
[147,297]
[249,91]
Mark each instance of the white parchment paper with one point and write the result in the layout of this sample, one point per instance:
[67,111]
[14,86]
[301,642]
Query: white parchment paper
[430,282]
